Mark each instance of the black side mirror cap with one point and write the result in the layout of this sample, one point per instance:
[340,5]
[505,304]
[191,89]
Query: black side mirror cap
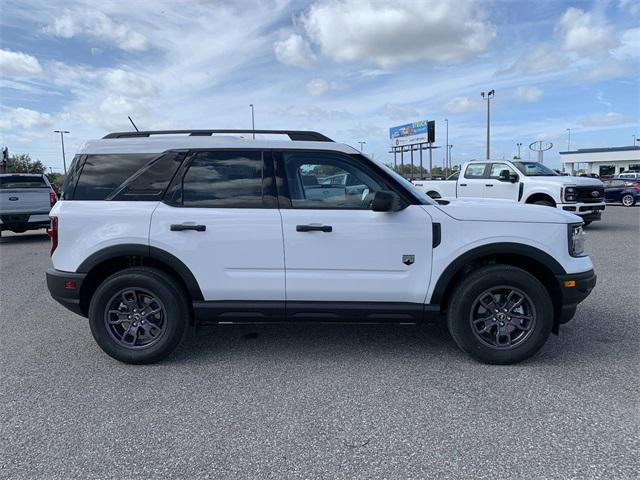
[513,178]
[386,201]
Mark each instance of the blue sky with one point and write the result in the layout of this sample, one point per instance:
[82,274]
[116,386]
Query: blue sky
[350,69]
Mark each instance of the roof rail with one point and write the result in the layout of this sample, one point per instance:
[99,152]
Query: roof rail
[294,135]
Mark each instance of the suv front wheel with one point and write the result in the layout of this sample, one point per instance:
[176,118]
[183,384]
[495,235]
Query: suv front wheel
[500,314]
[139,315]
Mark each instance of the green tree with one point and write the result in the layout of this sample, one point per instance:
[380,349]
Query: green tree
[24,164]
[56,179]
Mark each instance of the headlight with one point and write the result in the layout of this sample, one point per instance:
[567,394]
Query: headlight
[576,240]
[570,194]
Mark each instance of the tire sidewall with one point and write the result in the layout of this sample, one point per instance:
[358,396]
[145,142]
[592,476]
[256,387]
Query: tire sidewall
[633,200]
[161,286]
[482,280]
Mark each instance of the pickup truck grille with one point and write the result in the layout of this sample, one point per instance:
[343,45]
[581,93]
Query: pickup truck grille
[588,194]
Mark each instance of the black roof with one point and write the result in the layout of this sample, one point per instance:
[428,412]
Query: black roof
[602,150]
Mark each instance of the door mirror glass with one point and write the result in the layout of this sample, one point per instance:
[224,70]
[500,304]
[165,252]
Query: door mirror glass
[513,177]
[504,176]
[386,201]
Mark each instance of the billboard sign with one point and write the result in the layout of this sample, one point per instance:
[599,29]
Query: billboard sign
[412,133]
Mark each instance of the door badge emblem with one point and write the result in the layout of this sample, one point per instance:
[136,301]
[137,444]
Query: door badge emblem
[408,259]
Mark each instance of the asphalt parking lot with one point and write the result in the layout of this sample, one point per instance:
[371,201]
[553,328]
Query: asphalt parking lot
[274,402]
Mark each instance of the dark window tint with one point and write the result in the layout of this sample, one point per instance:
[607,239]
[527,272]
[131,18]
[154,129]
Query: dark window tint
[326,181]
[102,174]
[22,181]
[224,180]
[150,183]
[71,178]
[475,170]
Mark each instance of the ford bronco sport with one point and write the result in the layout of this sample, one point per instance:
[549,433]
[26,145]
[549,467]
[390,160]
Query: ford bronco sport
[159,231]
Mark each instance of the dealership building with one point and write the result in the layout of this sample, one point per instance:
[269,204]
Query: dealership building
[602,161]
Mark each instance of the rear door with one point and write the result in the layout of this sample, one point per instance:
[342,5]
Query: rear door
[220,218]
[472,182]
[337,249]
[495,188]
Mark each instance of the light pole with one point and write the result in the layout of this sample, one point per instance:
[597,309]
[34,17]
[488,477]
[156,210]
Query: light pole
[253,121]
[635,139]
[519,144]
[361,145]
[449,147]
[446,154]
[568,139]
[64,160]
[488,97]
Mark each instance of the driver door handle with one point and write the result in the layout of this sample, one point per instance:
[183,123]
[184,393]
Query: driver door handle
[488,184]
[314,228]
[186,226]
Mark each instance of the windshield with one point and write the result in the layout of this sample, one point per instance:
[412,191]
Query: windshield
[534,169]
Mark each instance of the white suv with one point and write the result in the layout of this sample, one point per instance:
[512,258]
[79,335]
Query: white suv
[157,231]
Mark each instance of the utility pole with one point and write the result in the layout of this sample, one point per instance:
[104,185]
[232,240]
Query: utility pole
[361,145]
[449,147]
[253,121]
[64,160]
[446,153]
[568,139]
[488,97]
[635,139]
[519,144]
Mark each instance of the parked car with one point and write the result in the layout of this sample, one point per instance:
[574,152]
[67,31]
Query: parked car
[25,201]
[626,192]
[524,182]
[155,233]
[628,176]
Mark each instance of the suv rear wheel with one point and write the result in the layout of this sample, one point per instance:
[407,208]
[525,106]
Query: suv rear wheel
[500,314]
[139,315]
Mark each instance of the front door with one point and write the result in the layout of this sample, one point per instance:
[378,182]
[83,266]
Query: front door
[336,248]
[221,220]
[495,188]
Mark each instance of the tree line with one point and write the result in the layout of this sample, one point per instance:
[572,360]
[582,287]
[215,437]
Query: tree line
[23,163]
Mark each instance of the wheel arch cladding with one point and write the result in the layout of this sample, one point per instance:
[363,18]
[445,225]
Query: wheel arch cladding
[533,260]
[104,263]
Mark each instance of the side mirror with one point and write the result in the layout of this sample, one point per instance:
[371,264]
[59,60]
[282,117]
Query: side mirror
[513,178]
[504,175]
[386,201]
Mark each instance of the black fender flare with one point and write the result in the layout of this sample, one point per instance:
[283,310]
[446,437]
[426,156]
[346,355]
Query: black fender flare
[502,248]
[145,251]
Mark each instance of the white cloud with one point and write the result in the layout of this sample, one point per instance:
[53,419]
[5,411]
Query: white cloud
[606,69]
[541,59]
[605,119]
[317,87]
[18,64]
[628,49]
[582,33]
[389,34]
[25,118]
[294,51]
[463,104]
[129,84]
[395,111]
[529,94]
[98,25]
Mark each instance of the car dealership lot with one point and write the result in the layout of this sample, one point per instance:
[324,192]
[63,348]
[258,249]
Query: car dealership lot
[321,401]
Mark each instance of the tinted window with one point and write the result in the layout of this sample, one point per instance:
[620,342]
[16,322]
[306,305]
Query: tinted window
[224,180]
[102,174]
[475,170]
[496,168]
[71,178]
[22,181]
[325,181]
[150,183]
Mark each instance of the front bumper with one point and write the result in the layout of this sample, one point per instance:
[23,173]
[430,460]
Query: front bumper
[64,287]
[574,288]
[587,211]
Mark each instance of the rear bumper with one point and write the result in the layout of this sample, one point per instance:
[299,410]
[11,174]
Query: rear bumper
[574,288]
[64,287]
[27,221]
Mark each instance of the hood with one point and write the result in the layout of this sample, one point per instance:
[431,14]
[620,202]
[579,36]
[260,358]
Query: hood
[563,180]
[505,211]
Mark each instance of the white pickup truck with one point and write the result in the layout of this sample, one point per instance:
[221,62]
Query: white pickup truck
[25,201]
[524,182]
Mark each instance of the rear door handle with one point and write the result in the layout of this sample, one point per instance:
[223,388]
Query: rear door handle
[185,226]
[488,184]
[314,228]
[463,184]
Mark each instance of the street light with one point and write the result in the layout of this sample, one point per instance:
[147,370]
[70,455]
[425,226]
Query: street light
[253,122]
[64,160]
[635,139]
[361,145]
[488,97]
[446,154]
[449,147]
[519,144]
[568,139]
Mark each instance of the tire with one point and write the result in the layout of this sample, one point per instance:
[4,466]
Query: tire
[465,307]
[434,195]
[546,203]
[134,297]
[628,200]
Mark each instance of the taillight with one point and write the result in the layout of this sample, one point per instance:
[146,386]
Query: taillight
[53,234]
[636,186]
[53,198]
